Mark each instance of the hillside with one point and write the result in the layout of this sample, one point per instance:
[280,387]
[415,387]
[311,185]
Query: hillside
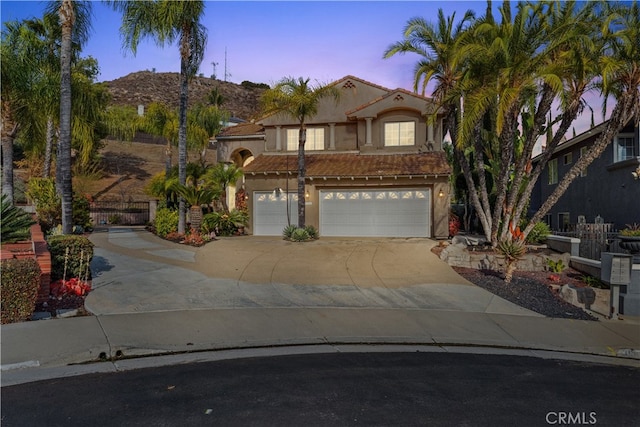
[144,87]
[128,167]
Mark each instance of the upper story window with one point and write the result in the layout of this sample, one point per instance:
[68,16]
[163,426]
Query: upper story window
[625,147]
[552,169]
[568,158]
[399,133]
[315,139]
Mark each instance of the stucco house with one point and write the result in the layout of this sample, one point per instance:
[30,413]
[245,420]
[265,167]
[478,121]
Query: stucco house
[607,189]
[374,166]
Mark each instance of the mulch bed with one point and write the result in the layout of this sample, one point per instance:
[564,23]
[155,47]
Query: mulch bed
[532,290]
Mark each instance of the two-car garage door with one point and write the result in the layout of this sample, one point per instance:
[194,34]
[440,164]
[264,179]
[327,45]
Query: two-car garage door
[375,213]
[364,213]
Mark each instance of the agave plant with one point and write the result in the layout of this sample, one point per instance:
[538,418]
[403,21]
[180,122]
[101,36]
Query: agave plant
[512,250]
[15,222]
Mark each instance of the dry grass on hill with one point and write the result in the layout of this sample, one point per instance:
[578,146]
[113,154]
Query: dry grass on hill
[127,168]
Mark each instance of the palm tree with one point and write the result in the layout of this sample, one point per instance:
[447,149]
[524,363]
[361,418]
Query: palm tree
[438,46]
[75,25]
[168,21]
[299,100]
[221,176]
[205,122]
[16,84]
[161,121]
[196,195]
[620,79]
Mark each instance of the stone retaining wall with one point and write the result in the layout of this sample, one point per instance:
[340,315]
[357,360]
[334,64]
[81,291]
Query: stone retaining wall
[458,255]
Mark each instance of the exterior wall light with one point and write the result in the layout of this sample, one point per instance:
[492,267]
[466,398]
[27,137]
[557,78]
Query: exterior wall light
[441,194]
[306,194]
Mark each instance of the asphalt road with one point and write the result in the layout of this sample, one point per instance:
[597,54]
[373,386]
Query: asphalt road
[387,389]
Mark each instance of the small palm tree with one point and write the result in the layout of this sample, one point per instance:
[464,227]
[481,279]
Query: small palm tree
[196,196]
[222,175]
[299,100]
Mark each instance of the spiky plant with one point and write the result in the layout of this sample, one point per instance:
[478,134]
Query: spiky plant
[512,250]
[15,222]
[288,231]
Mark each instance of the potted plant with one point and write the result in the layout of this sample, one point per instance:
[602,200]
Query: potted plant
[630,240]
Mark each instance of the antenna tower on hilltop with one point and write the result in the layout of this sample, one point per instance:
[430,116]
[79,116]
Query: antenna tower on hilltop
[226,74]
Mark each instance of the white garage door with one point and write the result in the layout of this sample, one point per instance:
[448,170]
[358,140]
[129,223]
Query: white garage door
[270,212]
[369,213]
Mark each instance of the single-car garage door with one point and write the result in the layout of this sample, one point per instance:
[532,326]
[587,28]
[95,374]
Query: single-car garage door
[375,213]
[270,212]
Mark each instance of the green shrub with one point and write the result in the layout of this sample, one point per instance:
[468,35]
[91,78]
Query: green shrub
[538,233]
[81,212]
[42,192]
[224,224]
[166,221]
[19,289]
[593,282]
[288,231]
[15,222]
[312,232]
[300,235]
[78,257]
[555,266]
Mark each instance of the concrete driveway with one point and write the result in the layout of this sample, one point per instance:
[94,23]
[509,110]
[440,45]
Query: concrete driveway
[135,271]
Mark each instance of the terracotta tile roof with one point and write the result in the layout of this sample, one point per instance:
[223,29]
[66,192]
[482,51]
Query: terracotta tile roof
[354,164]
[243,129]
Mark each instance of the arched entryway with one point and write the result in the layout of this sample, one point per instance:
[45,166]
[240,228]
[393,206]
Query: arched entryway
[241,157]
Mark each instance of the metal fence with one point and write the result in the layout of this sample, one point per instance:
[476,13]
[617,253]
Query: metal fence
[128,213]
[594,239]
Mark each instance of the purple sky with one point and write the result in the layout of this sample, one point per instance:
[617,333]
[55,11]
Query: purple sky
[266,41]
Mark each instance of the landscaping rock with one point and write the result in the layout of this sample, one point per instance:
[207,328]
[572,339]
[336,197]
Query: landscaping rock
[41,315]
[66,312]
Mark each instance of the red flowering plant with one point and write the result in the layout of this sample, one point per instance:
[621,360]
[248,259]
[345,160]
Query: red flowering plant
[454,224]
[73,286]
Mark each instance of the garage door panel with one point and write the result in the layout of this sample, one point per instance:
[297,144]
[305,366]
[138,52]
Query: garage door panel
[375,213]
[270,212]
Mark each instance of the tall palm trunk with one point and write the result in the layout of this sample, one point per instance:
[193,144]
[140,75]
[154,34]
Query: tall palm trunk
[63,163]
[301,175]
[7,160]
[182,141]
[46,170]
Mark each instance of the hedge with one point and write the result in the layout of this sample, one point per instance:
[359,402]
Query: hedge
[79,246]
[19,289]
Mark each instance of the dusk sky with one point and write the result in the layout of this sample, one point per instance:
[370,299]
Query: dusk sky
[266,41]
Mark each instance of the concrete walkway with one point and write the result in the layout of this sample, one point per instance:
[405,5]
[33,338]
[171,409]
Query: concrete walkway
[152,297]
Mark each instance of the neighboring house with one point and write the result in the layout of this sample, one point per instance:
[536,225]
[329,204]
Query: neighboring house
[607,189]
[374,166]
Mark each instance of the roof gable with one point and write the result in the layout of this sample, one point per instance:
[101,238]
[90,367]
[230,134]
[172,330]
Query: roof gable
[393,100]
